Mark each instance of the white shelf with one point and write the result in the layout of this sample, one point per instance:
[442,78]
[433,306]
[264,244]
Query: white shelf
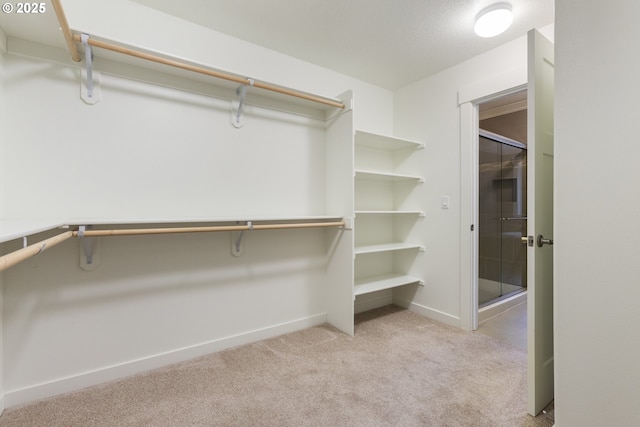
[385,176]
[384,142]
[417,213]
[387,247]
[19,228]
[388,281]
[200,220]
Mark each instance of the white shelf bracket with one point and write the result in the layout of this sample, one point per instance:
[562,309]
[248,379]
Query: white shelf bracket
[348,223]
[89,250]
[237,248]
[236,113]
[89,91]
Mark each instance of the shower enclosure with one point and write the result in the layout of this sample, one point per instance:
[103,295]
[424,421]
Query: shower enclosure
[502,265]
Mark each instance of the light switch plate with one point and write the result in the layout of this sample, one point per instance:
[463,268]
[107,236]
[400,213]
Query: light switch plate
[444,202]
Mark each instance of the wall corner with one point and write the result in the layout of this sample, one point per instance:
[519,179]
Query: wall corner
[3,41]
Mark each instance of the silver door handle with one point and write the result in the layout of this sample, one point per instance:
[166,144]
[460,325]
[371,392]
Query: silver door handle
[527,239]
[543,241]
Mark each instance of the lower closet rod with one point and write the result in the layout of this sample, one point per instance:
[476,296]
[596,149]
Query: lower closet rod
[140,231]
[9,260]
[13,258]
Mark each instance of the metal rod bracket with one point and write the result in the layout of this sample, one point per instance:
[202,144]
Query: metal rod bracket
[236,113]
[89,249]
[237,248]
[89,83]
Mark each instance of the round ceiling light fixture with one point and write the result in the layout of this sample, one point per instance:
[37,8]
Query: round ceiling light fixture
[493,20]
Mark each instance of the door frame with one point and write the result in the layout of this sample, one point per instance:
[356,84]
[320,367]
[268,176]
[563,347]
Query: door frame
[469,99]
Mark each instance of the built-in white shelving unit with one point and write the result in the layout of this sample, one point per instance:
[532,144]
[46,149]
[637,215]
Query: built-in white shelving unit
[385,200]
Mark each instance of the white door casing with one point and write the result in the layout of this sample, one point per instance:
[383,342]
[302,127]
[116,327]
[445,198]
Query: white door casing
[469,99]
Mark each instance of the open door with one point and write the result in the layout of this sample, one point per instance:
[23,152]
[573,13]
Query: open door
[540,222]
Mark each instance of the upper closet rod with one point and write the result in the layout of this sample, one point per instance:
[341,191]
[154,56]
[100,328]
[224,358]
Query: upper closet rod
[64,26]
[71,39]
[249,226]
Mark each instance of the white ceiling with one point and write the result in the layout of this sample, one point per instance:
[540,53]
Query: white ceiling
[389,43]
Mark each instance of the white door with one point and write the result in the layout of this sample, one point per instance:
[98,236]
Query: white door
[540,222]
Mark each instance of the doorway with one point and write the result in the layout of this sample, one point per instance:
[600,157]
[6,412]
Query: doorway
[501,273]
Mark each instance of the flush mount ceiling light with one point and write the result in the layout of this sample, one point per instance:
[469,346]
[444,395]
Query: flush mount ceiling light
[493,20]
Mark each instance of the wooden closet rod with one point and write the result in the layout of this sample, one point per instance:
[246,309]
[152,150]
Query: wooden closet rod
[13,258]
[140,231]
[72,39]
[66,31]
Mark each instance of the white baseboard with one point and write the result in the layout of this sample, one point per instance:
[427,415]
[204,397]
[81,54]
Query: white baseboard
[2,404]
[370,301]
[429,312]
[99,376]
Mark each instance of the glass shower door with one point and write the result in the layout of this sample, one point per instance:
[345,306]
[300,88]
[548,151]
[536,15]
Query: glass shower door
[502,193]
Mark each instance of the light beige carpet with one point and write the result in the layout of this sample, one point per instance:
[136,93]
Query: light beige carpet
[400,369]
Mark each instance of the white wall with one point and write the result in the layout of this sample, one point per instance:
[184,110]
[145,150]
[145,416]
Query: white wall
[157,146]
[153,300]
[3,50]
[597,298]
[151,152]
[198,44]
[429,110]
[170,154]
[3,41]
